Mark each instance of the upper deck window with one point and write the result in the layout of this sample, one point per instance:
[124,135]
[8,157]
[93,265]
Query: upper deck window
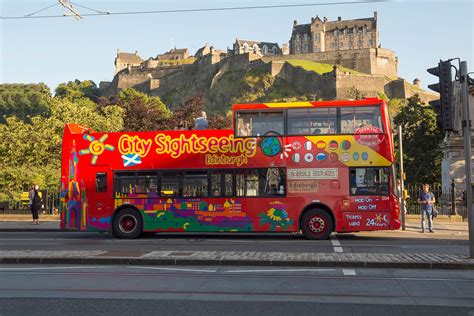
[353,118]
[312,121]
[260,123]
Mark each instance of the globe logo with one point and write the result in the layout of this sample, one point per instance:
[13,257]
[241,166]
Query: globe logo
[270,146]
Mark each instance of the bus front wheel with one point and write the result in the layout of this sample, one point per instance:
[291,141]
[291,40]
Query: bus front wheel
[127,224]
[317,224]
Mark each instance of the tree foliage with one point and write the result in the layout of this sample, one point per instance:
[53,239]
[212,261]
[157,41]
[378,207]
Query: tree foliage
[31,152]
[75,90]
[421,139]
[142,112]
[23,100]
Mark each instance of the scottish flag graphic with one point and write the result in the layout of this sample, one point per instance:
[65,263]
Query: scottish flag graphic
[130,160]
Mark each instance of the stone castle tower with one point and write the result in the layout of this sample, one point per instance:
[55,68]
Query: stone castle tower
[323,35]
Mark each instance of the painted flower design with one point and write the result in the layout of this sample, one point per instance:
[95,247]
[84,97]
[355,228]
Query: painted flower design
[276,216]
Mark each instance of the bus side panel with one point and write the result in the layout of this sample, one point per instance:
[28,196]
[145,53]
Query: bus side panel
[73,194]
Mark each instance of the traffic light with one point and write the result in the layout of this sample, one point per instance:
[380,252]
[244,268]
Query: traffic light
[444,107]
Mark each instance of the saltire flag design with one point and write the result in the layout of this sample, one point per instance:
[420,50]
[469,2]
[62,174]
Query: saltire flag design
[130,160]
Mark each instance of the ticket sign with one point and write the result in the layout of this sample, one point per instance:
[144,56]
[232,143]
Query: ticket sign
[312,173]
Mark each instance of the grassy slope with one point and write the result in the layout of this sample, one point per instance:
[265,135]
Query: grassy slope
[319,68]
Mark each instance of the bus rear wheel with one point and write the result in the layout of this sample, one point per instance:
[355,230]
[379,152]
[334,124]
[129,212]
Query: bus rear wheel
[317,224]
[127,224]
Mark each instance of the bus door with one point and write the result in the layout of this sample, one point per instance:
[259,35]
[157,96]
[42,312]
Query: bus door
[100,194]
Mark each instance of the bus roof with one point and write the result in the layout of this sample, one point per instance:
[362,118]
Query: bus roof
[282,105]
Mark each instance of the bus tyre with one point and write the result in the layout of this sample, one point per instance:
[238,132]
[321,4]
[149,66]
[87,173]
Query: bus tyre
[127,224]
[317,224]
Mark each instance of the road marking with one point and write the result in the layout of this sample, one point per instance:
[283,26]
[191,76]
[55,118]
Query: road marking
[171,269]
[348,272]
[335,243]
[282,270]
[52,268]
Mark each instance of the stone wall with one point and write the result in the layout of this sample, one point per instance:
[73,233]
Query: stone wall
[401,89]
[375,61]
[367,85]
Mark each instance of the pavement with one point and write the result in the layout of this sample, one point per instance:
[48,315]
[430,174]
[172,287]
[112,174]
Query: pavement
[444,230]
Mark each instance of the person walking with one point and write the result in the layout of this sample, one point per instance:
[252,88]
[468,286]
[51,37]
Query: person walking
[35,203]
[426,199]
[201,122]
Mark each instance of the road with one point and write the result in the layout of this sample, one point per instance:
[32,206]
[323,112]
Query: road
[351,243]
[198,290]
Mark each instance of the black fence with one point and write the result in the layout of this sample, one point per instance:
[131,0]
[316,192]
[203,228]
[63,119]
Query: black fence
[446,203]
[50,205]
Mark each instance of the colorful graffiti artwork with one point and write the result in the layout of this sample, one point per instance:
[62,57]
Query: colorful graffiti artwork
[276,217]
[73,195]
[177,214]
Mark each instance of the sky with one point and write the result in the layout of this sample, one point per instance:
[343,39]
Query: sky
[56,50]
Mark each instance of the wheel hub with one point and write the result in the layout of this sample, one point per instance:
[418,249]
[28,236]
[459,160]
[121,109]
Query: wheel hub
[317,225]
[127,223]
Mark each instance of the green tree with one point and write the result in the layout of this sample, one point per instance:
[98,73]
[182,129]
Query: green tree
[31,152]
[23,101]
[187,112]
[74,90]
[421,139]
[143,112]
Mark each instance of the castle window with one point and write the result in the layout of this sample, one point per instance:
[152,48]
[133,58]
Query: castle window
[255,48]
[336,32]
[305,37]
[345,32]
[265,49]
[274,50]
[297,37]
[355,30]
[318,37]
[246,48]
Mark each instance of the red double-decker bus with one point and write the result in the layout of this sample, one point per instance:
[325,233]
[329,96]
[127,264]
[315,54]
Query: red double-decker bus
[315,167]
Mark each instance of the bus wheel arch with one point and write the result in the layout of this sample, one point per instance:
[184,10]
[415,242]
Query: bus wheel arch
[127,222]
[317,221]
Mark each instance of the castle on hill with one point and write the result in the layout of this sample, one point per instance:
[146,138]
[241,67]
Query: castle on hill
[352,46]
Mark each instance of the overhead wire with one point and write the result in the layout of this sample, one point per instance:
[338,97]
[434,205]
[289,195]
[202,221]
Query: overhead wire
[44,9]
[256,7]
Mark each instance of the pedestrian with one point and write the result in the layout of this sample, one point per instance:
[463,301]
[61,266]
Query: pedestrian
[201,122]
[35,203]
[426,199]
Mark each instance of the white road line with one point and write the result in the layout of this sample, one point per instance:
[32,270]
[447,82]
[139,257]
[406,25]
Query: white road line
[282,270]
[335,243]
[171,269]
[348,272]
[52,268]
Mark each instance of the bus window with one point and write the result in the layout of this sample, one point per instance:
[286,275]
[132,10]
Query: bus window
[348,120]
[221,183]
[369,181]
[273,180]
[169,184]
[298,122]
[125,182]
[195,184]
[259,123]
[261,182]
[322,120]
[101,182]
[146,182]
[367,116]
[247,182]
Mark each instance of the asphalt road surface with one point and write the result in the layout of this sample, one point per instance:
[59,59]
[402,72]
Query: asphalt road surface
[156,290]
[349,243]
